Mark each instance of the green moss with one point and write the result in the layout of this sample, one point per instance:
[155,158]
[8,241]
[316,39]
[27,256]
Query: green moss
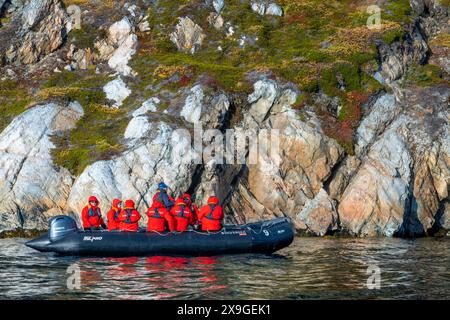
[14,98]
[86,36]
[397,11]
[97,135]
[393,35]
[424,76]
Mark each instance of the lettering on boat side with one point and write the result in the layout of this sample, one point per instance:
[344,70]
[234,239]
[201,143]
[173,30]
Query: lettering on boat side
[92,239]
[281,231]
[241,233]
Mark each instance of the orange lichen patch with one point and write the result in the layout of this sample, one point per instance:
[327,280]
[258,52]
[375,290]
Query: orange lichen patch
[164,71]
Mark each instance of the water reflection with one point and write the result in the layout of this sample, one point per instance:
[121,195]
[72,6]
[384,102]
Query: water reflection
[311,268]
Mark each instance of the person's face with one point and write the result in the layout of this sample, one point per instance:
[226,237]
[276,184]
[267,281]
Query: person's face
[119,205]
[94,203]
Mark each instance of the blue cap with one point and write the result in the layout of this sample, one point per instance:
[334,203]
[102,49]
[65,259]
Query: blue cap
[162,186]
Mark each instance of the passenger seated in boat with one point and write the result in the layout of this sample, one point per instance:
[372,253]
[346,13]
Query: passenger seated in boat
[129,217]
[159,218]
[113,215]
[194,209]
[211,215]
[183,215]
[92,215]
[163,197]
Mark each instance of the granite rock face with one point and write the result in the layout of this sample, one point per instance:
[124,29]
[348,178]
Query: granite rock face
[32,188]
[42,30]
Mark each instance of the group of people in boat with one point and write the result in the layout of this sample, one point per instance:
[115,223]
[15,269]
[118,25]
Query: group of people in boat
[165,214]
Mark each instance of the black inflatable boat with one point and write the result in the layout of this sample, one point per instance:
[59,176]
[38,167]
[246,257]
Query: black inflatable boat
[65,238]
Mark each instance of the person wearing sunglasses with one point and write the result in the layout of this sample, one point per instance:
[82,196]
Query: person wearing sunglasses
[92,215]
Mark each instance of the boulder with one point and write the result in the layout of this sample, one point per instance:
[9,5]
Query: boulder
[119,47]
[188,36]
[319,215]
[136,173]
[216,20]
[117,91]
[31,187]
[192,109]
[149,105]
[42,31]
[263,7]
[281,184]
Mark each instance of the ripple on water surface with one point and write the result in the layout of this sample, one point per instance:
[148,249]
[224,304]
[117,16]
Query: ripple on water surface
[311,268]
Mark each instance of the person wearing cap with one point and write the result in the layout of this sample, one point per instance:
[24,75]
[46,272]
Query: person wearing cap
[211,215]
[163,198]
[129,217]
[91,215]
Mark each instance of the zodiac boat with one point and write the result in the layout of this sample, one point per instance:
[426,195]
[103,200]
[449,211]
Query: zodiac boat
[65,238]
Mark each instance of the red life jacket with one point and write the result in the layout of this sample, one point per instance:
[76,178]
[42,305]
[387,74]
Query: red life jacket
[211,217]
[129,218]
[92,217]
[157,218]
[113,219]
[183,217]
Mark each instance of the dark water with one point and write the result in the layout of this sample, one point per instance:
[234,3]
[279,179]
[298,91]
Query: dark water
[312,268]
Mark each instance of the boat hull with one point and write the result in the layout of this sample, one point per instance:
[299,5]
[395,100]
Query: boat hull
[262,237]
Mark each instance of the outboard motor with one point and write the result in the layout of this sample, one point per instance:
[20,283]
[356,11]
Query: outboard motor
[60,226]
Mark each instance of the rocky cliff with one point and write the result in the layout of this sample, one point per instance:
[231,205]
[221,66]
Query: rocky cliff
[104,97]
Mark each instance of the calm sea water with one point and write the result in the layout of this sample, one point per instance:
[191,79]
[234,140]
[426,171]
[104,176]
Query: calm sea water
[311,268]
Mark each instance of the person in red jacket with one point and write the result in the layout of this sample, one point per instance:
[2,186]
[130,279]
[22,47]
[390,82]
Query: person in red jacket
[194,209]
[113,215]
[183,215]
[129,217]
[158,216]
[211,215]
[92,215]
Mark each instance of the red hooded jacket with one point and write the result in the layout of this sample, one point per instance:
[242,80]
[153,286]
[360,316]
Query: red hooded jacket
[92,215]
[183,215]
[129,217]
[113,215]
[194,209]
[211,215]
[158,216]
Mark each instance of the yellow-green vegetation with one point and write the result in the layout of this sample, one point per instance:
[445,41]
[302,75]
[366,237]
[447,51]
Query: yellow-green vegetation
[310,45]
[97,135]
[316,45]
[424,75]
[14,99]
[21,233]
[86,36]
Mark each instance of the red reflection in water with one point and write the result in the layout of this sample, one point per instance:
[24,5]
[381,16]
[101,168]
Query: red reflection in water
[207,265]
[124,267]
[175,273]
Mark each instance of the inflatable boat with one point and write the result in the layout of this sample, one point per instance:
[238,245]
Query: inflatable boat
[65,238]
